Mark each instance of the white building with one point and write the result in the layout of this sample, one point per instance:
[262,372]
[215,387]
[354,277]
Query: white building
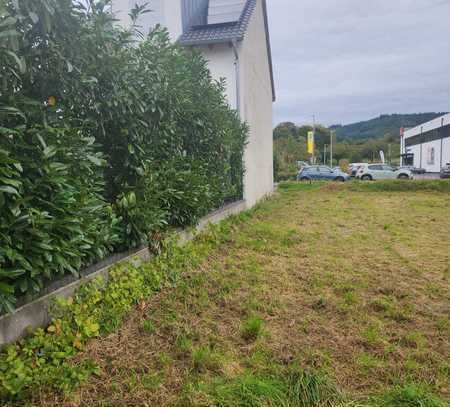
[233,35]
[427,145]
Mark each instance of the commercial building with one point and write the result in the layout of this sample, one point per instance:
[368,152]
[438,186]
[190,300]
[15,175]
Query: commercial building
[427,146]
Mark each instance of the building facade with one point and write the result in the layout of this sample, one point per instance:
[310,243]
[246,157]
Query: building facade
[233,36]
[427,146]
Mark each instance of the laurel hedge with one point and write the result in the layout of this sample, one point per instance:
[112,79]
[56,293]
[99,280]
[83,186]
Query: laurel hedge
[105,141]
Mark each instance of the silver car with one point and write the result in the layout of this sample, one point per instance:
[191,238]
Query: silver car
[369,172]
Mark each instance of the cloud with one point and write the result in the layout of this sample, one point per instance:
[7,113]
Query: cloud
[350,60]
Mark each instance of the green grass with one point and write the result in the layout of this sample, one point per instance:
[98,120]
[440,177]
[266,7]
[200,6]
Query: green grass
[294,389]
[324,296]
[252,328]
[401,186]
[409,396]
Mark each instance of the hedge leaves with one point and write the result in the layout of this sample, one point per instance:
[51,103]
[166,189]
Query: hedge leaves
[104,142]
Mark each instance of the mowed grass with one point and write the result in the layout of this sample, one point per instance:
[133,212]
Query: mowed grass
[325,295]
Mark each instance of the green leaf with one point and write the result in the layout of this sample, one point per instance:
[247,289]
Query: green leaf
[8,190]
[19,61]
[95,160]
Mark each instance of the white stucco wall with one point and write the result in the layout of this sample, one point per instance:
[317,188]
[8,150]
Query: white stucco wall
[436,166]
[446,151]
[257,109]
[164,12]
[221,63]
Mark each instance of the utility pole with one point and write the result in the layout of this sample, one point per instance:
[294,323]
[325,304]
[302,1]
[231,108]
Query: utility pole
[325,154]
[314,136]
[331,148]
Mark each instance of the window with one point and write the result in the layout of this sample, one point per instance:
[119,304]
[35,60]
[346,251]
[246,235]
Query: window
[324,169]
[436,134]
[431,153]
[387,168]
[375,167]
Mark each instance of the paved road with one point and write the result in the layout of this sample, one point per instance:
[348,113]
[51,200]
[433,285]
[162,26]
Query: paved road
[434,175]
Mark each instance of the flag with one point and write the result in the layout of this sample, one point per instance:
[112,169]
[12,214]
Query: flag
[311,146]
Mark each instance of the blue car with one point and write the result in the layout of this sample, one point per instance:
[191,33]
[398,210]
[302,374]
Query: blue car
[322,173]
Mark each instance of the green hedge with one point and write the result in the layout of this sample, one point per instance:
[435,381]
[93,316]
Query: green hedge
[104,142]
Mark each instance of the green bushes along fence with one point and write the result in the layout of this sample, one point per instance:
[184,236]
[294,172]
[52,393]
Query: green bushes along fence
[105,141]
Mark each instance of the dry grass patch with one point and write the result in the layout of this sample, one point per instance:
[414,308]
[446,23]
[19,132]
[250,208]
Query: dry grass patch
[343,283]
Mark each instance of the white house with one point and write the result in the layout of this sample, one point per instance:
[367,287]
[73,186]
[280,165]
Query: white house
[233,35]
[427,145]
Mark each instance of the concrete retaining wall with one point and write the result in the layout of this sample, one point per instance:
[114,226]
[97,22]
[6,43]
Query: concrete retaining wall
[35,314]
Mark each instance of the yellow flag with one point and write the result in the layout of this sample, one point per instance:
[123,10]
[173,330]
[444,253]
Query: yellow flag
[311,142]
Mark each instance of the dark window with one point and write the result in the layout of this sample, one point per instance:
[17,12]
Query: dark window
[375,167]
[436,134]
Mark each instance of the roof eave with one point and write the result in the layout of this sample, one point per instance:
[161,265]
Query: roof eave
[210,42]
[269,50]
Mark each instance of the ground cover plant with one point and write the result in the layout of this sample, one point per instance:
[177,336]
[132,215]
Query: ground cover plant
[322,296]
[105,143]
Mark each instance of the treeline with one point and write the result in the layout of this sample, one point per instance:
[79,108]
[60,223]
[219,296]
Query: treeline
[382,125]
[104,142]
[290,146]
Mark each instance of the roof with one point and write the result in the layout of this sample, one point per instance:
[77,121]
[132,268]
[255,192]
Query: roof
[229,31]
[222,32]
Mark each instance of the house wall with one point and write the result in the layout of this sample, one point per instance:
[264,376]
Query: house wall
[221,63]
[446,151]
[257,109]
[164,12]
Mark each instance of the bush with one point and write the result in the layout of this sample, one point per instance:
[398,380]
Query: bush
[105,143]
[54,219]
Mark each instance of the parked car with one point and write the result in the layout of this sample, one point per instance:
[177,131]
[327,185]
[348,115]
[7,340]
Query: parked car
[413,169]
[354,167]
[445,171]
[302,164]
[321,172]
[370,172]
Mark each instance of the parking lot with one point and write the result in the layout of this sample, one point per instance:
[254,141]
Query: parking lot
[431,175]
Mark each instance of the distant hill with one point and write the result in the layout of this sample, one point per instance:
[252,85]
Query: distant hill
[379,127]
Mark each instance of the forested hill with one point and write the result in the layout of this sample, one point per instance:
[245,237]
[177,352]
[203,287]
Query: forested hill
[385,124]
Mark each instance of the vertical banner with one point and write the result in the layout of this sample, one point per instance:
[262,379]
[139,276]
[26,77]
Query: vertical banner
[311,146]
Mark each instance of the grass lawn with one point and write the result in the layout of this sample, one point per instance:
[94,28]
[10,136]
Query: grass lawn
[325,295]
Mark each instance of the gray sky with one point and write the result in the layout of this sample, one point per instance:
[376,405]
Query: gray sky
[351,60]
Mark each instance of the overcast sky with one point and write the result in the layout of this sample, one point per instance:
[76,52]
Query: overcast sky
[351,60]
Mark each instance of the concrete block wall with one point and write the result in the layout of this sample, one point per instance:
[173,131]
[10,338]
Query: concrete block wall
[36,313]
